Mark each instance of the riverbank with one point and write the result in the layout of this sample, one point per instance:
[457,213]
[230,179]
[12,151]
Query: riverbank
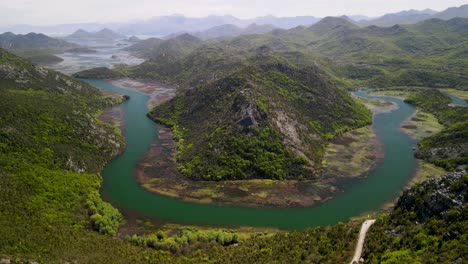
[419,125]
[357,152]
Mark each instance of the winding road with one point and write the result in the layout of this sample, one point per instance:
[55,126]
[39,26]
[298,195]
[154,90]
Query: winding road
[362,235]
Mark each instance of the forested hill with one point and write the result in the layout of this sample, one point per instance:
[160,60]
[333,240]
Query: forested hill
[9,40]
[431,53]
[51,149]
[281,87]
[251,112]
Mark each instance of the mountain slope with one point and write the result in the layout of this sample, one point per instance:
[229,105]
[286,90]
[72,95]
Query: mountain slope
[9,40]
[414,16]
[453,12]
[267,120]
[177,46]
[51,149]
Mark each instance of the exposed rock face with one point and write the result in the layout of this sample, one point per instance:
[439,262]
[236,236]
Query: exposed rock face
[438,196]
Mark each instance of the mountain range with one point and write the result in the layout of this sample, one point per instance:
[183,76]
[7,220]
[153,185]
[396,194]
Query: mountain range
[250,88]
[10,40]
[104,34]
[228,30]
[166,25]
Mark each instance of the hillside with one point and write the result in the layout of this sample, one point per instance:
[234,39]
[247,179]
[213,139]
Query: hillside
[44,59]
[415,16]
[430,53]
[267,119]
[51,149]
[344,56]
[12,41]
[428,224]
[165,50]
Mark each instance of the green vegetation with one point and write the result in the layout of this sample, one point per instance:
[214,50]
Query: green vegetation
[233,90]
[249,107]
[82,50]
[270,120]
[352,154]
[458,93]
[448,148]
[32,41]
[187,239]
[51,148]
[104,218]
[44,59]
[176,47]
[98,73]
[424,227]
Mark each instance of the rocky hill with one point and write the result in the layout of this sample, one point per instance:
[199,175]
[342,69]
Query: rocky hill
[427,224]
[264,118]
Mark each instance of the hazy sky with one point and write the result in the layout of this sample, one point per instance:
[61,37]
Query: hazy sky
[45,12]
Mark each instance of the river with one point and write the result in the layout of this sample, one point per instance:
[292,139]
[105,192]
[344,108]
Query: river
[383,184]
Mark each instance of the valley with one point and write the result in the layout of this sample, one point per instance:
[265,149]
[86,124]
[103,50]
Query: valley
[240,143]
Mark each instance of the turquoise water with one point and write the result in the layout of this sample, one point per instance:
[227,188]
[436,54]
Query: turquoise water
[361,196]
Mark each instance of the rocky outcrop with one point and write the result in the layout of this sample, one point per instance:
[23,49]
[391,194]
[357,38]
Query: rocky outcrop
[435,197]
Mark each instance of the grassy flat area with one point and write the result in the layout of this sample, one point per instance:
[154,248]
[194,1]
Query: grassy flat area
[458,93]
[401,94]
[376,105]
[352,154]
[356,152]
[426,171]
[421,125]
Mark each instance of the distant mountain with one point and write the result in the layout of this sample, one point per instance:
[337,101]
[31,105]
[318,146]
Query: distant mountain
[9,40]
[416,12]
[452,12]
[165,49]
[165,25]
[103,34]
[227,31]
[80,33]
[330,24]
[107,34]
[394,19]
[361,17]
[177,24]
[286,22]
[219,31]
[133,39]
[415,16]
[258,29]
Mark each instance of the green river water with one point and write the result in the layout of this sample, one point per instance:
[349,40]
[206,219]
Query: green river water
[360,196]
